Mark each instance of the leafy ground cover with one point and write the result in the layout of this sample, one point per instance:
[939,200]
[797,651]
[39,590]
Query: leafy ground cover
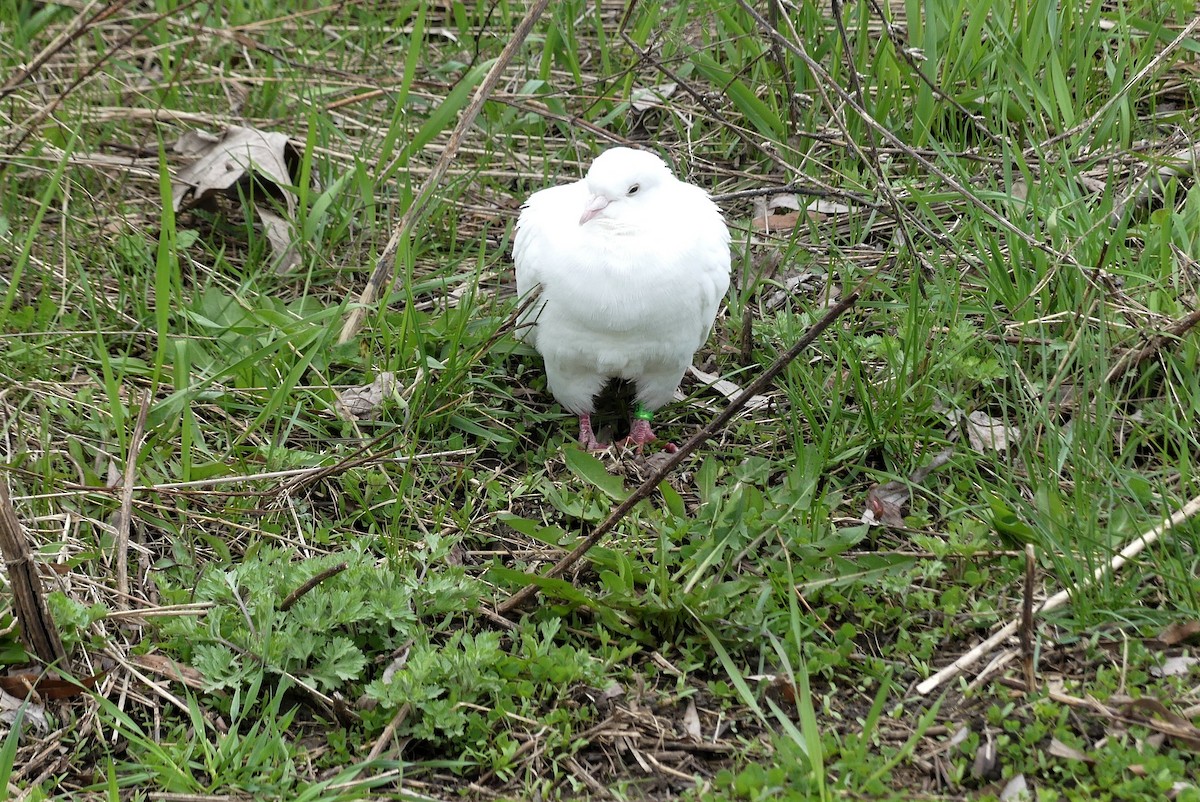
[283,557]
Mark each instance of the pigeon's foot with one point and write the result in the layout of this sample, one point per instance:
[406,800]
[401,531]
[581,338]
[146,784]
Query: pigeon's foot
[640,433]
[587,438]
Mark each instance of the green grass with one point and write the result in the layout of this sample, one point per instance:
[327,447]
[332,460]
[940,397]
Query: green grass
[745,602]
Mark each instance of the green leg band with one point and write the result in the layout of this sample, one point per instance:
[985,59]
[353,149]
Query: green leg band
[641,413]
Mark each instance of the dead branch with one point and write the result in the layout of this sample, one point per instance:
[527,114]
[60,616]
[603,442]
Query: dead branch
[29,605]
[313,581]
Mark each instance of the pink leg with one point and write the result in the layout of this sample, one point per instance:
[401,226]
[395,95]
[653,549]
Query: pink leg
[640,433]
[587,438]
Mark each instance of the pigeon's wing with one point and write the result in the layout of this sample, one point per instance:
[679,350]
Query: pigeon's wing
[709,257]
[546,252]
[540,243]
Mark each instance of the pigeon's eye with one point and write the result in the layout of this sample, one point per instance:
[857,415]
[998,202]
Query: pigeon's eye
[633,190]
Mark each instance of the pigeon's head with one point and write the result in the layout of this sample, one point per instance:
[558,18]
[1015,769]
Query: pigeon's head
[623,183]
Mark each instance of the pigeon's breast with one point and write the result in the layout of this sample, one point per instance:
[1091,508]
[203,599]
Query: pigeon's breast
[626,307]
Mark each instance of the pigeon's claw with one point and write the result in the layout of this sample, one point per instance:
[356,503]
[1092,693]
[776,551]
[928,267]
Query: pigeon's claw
[640,432]
[587,438]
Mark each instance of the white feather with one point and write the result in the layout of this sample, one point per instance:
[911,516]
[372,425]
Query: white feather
[630,293]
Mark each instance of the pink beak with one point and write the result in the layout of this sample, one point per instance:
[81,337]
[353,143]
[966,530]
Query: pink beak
[595,205]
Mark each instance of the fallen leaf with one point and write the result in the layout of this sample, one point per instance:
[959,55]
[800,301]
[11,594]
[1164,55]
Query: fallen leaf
[767,217]
[1174,667]
[11,708]
[691,721]
[47,686]
[170,669]
[399,660]
[656,460]
[984,432]
[1060,749]
[611,691]
[985,760]
[249,161]
[727,388]
[793,284]
[786,200]
[960,735]
[365,401]
[1017,788]
[825,208]
[651,97]
[777,222]
[1177,789]
[1179,631]
[886,502]
[279,234]
[1157,716]
[779,688]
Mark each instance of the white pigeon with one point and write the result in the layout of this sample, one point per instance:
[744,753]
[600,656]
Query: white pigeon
[632,265]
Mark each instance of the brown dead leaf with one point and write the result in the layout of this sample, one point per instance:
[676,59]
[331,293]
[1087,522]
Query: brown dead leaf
[167,668]
[47,686]
[365,401]
[886,502]
[1157,716]
[244,160]
[777,222]
[1179,632]
[779,688]
[769,217]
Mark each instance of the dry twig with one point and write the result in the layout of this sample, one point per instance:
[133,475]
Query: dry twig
[29,605]
[1028,641]
[125,515]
